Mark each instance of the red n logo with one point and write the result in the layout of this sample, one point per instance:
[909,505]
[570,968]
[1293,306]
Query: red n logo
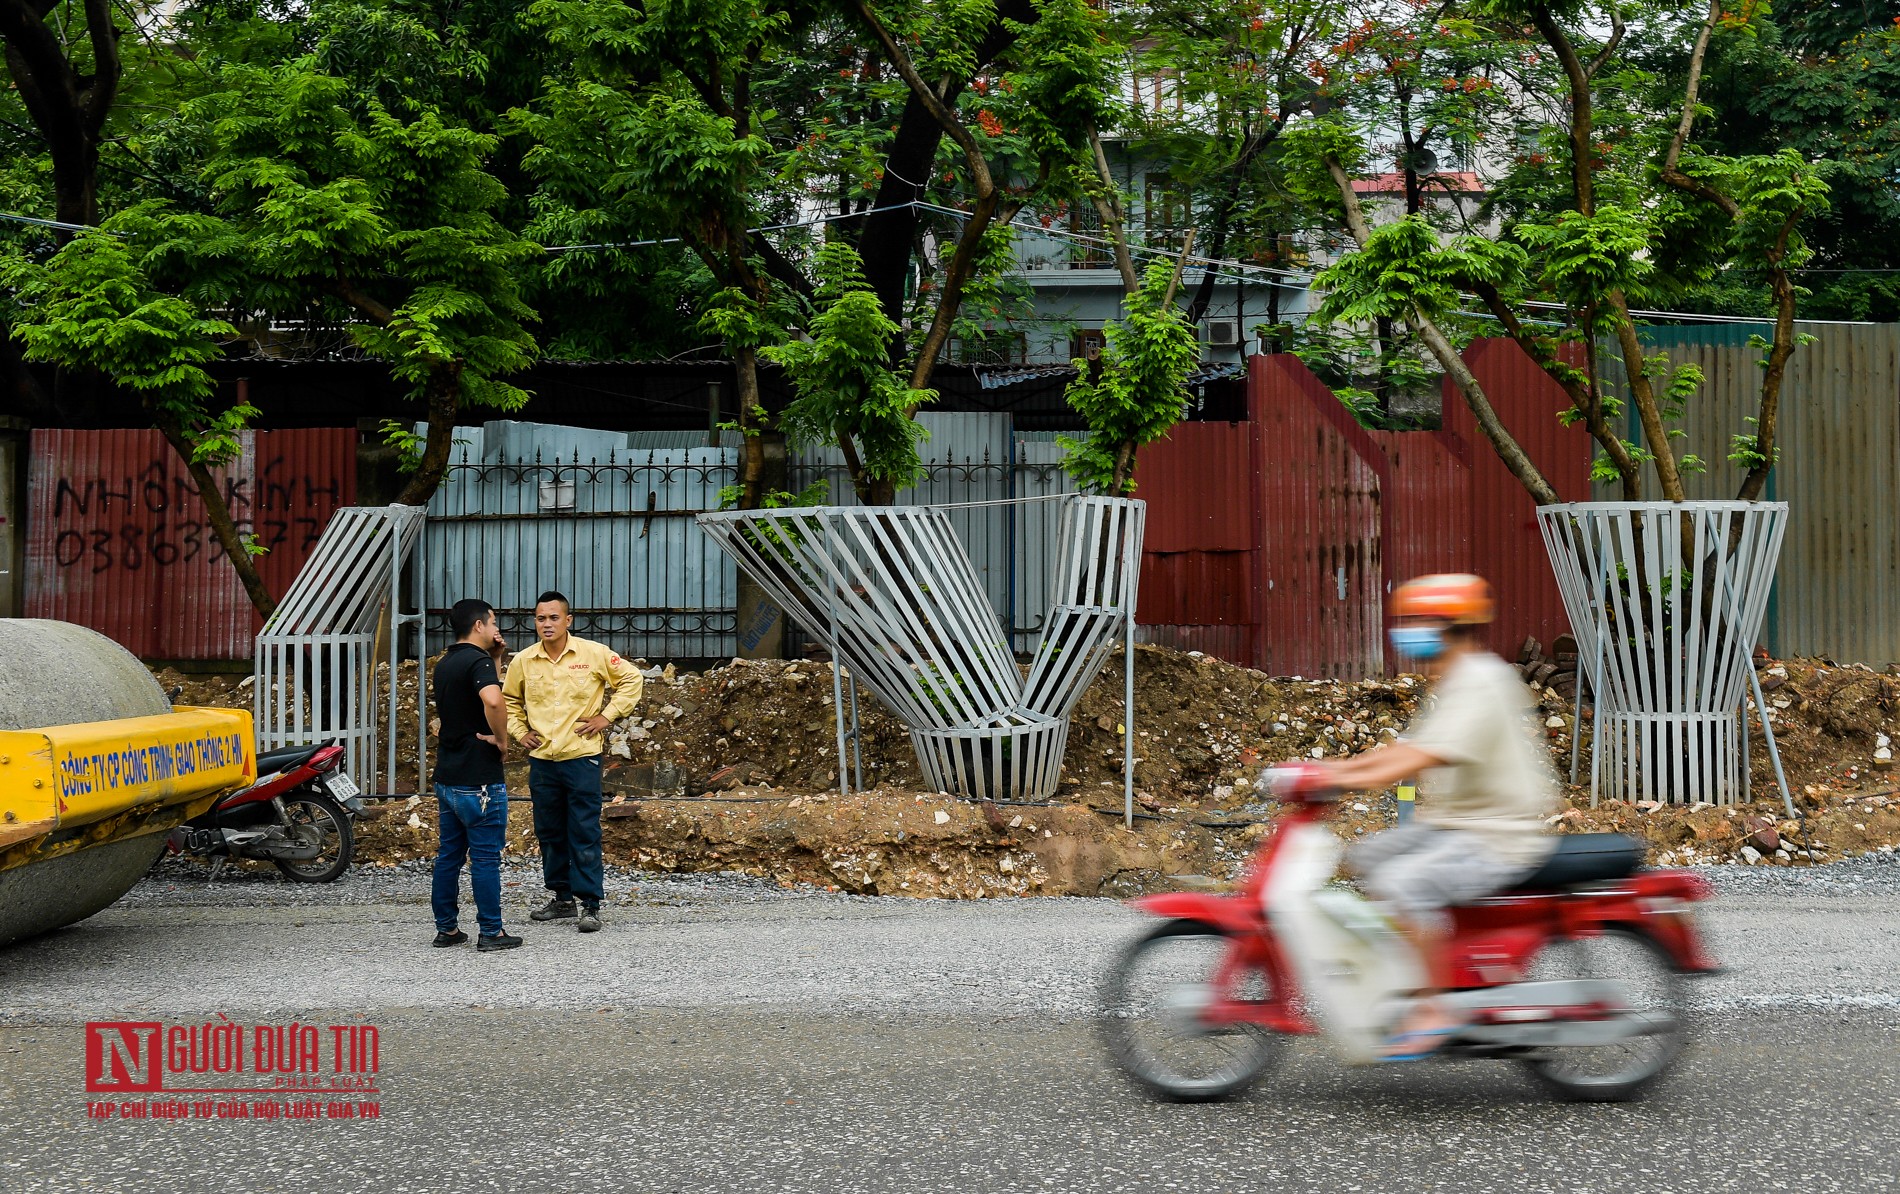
[123,1056]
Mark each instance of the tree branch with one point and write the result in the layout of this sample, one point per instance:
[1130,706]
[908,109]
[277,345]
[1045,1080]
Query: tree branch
[1582,118]
[1503,442]
[928,96]
[1672,173]
[1108,206]
[1609,47]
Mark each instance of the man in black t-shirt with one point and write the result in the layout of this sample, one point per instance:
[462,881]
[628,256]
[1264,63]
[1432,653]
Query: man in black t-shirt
[470,793]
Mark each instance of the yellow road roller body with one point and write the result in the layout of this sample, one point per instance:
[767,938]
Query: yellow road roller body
[85,804]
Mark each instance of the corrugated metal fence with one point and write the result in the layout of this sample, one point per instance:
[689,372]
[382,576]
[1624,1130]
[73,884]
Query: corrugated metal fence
[607,520]
[1271,542]
[117,537]
[1303,521]
[1838,588]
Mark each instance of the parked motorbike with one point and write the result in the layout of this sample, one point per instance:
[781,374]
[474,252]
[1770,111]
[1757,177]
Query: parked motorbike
[298,815]
[1576,973]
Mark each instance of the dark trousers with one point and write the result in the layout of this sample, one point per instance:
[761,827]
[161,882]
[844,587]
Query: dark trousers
[566,798]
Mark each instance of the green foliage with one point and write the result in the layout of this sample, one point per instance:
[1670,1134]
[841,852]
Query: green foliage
[406,443]
[1140,391]
[92,306]
[1405,268]
[383,223]
[843,380]
[1581,259]
[778,499]
[1822,81]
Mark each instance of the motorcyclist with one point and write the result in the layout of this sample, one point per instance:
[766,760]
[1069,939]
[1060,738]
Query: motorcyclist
[1485,788]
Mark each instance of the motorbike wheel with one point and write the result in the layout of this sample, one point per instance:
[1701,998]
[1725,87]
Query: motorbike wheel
[1618,1072]
[311,812]
[1151,999]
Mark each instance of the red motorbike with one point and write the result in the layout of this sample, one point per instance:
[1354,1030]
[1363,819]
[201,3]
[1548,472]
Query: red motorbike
[1576,973]
[298,815]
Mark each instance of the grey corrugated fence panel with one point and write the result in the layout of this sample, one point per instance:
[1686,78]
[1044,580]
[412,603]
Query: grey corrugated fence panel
[510,439]
[1838,593]
[1038,473]
[614,533]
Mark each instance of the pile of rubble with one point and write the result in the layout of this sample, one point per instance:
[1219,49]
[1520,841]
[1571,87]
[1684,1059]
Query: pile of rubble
[735,768]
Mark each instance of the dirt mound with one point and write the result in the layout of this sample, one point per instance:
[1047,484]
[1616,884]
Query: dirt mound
[735,768]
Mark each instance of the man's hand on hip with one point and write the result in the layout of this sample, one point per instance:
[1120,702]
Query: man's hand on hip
[592,727]
[532,740]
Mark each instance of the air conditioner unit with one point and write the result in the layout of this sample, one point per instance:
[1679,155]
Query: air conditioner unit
[1221,333]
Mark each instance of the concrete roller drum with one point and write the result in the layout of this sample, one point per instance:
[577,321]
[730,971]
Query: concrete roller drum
[95,767]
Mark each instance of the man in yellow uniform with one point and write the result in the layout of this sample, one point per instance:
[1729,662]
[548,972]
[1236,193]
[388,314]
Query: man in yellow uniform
[562,693]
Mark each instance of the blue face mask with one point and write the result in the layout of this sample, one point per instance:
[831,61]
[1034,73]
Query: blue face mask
[1423,643]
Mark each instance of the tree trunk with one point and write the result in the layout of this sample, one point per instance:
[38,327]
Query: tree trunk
[887,238]
[1502,441]
[67,108]
[222,525]
[745,363]
[955,275]
[444,393]
[1108,206]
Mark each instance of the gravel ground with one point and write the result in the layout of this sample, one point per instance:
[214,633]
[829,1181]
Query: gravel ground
[177,946]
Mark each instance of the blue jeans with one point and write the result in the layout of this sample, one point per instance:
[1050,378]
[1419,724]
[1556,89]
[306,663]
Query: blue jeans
[474,823]
[566,798]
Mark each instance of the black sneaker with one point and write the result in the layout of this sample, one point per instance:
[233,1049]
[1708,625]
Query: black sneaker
[498,941]
[555,909]
[454,938]
[590,919]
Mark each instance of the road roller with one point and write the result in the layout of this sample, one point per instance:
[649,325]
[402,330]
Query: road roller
[96,768]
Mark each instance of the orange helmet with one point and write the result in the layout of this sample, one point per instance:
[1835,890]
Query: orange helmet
[1456,597]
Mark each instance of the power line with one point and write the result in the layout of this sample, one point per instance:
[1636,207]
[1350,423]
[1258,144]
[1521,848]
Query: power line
[44,223]
[1220,267]
[674,240]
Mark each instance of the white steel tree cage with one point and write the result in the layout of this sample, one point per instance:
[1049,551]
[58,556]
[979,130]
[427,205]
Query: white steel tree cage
[315,671]
[1666,600]
[892,593]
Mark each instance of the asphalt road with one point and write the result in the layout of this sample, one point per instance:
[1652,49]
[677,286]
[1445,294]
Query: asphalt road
[722,1036]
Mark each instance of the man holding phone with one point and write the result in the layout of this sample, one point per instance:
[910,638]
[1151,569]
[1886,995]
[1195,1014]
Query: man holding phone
[562,693]
[471,797]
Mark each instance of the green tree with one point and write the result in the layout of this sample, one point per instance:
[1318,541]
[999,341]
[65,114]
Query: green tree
[1022,138]
[846,391]
[1616,203]
[93,306]
[1822,79]
[1139,390]
[336,211]
[659,128]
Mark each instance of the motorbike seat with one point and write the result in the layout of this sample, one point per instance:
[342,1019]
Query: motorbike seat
[286,757]
[1585,858]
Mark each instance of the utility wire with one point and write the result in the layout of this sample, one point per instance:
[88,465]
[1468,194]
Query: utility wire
[1221,267]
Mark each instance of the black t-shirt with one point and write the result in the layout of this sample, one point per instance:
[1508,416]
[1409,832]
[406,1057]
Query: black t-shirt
[460,760]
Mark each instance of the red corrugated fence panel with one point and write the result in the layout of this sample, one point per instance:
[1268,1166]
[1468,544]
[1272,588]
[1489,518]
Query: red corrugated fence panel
[1428,508]
[1198,483]
[1318,583]
[117,541]
[1505,543]
[117,537]
[1196,588]
[302,476]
